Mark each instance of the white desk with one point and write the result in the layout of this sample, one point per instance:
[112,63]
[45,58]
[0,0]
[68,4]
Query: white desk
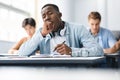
[69,60]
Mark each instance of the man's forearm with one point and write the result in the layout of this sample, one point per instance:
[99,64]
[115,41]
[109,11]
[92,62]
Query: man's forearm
[31,45]
[114,49]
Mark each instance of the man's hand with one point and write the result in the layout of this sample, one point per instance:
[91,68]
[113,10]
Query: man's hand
[47,28]
[63,49]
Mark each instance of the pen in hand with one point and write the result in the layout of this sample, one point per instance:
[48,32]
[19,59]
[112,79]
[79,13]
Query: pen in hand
[56,47]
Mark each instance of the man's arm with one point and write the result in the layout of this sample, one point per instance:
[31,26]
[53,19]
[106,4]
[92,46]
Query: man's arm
[94,50]
[31,45]
[90,46]
[114,49]
[111,39]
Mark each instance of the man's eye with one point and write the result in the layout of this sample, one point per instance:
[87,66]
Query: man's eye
[50,13]
[43,16]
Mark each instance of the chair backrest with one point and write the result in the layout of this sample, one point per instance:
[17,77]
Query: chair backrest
[5,46]
[116,34]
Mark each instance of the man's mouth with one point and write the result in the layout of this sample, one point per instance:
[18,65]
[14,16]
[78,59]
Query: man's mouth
[51,25]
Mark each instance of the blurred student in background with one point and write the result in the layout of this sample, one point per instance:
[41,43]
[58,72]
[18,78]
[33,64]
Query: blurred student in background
[29,25]
[103,36]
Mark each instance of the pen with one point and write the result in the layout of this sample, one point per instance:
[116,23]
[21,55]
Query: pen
[56,47]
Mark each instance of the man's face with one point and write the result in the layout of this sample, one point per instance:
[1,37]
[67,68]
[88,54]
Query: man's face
[30,30]
[49,14]
[94,25]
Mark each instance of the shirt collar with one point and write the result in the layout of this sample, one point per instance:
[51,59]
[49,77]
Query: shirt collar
[97,34]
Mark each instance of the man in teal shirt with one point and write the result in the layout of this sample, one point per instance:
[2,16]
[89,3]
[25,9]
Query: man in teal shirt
[103,36]
[57,36]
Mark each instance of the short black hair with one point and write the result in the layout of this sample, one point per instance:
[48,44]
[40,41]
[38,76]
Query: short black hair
[53,5]
[29,21]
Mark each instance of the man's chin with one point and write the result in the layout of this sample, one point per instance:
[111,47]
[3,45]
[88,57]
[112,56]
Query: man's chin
[54,30]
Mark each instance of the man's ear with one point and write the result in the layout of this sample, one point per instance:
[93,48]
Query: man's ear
[60,14]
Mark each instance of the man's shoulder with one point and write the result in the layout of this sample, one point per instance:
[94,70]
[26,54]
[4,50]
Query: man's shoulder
[75,28]
[73,25]
[105,30]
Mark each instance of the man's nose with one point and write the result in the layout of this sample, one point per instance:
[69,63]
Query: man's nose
[28,31]
[94,26]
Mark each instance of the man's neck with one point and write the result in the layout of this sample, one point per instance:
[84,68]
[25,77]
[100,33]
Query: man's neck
[94,34]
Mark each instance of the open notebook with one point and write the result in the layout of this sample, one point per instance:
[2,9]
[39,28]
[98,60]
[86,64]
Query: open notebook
[35,56]
[50,56]
[6,55]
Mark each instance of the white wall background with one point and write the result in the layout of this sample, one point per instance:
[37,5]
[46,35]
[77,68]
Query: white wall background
[113,14]
[77,11]
[72,11]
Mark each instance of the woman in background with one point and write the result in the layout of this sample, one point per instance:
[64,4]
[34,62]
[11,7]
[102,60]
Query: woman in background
[29,25]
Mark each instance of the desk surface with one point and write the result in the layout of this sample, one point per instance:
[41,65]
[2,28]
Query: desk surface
[113,55]
[71,60]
